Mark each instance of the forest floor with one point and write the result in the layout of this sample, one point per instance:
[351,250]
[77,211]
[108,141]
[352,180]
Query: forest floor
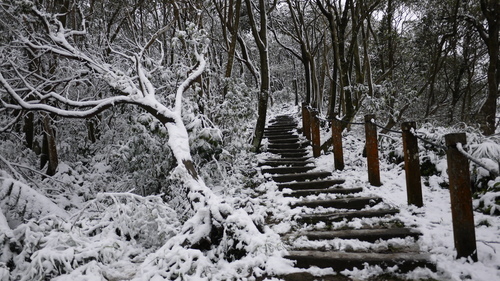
[433,220]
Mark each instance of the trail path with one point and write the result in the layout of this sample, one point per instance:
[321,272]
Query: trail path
[297,177]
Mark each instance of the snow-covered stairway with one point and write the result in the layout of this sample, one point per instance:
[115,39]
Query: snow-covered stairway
[328,229]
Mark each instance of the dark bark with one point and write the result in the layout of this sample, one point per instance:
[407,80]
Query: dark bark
[49,149]
[491,10]
[260,37]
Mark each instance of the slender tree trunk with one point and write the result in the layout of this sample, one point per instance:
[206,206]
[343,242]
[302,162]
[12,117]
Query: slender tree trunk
[491,9]
[49,148]
[233,27]
[261,40]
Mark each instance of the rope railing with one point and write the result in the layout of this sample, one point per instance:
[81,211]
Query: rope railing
[458,168]
[415,133]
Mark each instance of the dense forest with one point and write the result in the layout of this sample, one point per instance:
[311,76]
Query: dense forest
[129,129]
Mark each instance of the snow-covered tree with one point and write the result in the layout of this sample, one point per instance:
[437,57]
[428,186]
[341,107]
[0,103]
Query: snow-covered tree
[131,71]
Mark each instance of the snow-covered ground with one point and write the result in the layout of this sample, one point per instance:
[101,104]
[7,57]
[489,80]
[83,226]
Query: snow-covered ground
[122,236]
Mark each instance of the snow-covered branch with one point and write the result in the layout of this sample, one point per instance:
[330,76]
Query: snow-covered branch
[492,171]
[192,77]
[97,106]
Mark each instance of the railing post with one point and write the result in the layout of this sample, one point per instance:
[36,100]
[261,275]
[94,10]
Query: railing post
[461,198]
[306,121]
[412,165]
[338,153]
[372,151]
[316,145]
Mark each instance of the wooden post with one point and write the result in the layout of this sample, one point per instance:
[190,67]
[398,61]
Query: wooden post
[306,121]
[412,165]
[461,198]
[338,153]
[372,151]
[316,145]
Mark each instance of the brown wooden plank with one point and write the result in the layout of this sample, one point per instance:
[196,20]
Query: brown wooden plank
[287,170]
[301,176]
[343,260]
[369,235]
[356,203]
[335,190]
[317,184]
[339,216]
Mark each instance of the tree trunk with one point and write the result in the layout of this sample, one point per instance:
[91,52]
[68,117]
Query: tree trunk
[233,28]
[261,40]
[49,148]
[491,9]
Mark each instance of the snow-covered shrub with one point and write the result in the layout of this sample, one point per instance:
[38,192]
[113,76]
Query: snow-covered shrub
[205,139]
[107,238]
[488,201]
[232,114]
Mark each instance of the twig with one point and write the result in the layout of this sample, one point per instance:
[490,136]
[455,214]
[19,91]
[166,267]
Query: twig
[9,165]
[37,172]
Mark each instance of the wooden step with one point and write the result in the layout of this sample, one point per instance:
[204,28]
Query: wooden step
[343,260]
[277,145]
[286,150]
[368,235]
[319,184]
[337,190]
[282,124]
[286,135]
[282,118]
[292,154]
[355,203]
[284,163]
[287,170]
[304,159]
[301,176]
[339,216]
[278,135]
[271,130]
[291,139]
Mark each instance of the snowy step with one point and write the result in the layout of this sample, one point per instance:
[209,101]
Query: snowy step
[319,184]
[342,260]
[287,146]
[291,139]
[368,235]
[279,135]
[283,163]
[282,117]
[285,135]
[303,159]
[286,150]
[356,203]
[292,154]
[301,176]
[287,170]
[337,190]
[277,145]
[286,119]
[282,125]
[279,129]
[339,216]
